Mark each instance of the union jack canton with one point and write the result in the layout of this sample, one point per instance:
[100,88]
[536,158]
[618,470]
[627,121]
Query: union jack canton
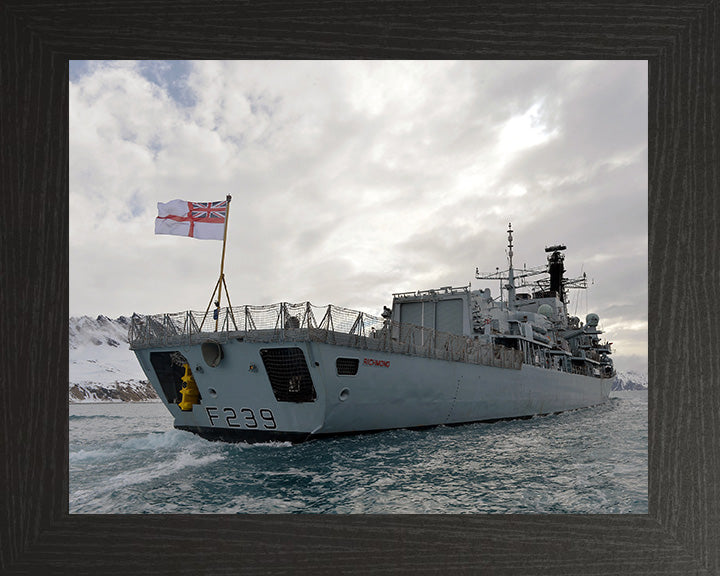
[210,212]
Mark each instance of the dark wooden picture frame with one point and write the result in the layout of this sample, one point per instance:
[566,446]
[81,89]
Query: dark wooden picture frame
[681,533]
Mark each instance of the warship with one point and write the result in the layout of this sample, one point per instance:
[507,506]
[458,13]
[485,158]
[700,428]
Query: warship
[445,356]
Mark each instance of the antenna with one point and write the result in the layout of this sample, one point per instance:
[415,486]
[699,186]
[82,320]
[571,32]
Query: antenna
[511,273]
[510,244]
[584,277]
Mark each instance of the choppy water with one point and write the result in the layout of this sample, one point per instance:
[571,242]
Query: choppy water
[127,458]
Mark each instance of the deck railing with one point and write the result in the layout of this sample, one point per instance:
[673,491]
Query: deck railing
[286,322]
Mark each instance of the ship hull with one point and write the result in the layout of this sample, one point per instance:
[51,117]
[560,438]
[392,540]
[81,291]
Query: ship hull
[296,391]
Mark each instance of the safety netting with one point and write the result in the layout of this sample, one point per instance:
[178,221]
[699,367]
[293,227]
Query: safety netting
[286,322]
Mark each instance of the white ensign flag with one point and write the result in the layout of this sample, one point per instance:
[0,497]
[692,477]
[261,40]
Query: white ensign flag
[202,220]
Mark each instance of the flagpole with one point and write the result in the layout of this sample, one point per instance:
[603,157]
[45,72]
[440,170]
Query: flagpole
[212,296]
[221,280]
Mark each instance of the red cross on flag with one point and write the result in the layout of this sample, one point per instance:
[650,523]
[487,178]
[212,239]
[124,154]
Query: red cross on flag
[202,220]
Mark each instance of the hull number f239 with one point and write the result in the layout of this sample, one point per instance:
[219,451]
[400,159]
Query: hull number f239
[243,418]
[381,363]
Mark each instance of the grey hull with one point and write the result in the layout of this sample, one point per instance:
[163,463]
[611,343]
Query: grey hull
[390,390]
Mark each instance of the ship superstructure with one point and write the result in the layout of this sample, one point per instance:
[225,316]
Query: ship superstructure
[450,355]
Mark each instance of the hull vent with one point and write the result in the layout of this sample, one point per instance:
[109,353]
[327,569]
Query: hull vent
[347,366]
[289,375]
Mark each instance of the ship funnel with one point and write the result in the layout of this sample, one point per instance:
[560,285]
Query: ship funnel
[556,269]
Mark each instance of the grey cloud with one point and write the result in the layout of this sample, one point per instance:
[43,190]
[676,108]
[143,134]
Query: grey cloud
[352,181]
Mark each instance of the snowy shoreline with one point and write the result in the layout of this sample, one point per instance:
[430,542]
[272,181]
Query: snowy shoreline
[149,401]
[128,391]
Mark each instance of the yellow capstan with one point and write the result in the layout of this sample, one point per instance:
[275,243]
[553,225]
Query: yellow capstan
[189,391]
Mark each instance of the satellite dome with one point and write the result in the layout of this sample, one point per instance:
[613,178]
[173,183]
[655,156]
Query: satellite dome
[545,309]
[592,319]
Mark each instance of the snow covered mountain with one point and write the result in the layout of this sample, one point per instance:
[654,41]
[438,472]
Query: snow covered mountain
[630,380]
[102,367]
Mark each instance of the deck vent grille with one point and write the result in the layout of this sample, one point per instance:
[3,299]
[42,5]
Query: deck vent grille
[347,366]
[289,375]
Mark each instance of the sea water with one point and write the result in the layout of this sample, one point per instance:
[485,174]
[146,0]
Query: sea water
[127,458]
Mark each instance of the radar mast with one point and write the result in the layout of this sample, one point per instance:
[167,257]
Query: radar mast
[510,286]
[510,274]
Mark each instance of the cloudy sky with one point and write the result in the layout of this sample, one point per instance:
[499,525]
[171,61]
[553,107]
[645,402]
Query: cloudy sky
[354,180]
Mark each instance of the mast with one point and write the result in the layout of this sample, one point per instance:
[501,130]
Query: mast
[221,280]
[510,274]
[510,286]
